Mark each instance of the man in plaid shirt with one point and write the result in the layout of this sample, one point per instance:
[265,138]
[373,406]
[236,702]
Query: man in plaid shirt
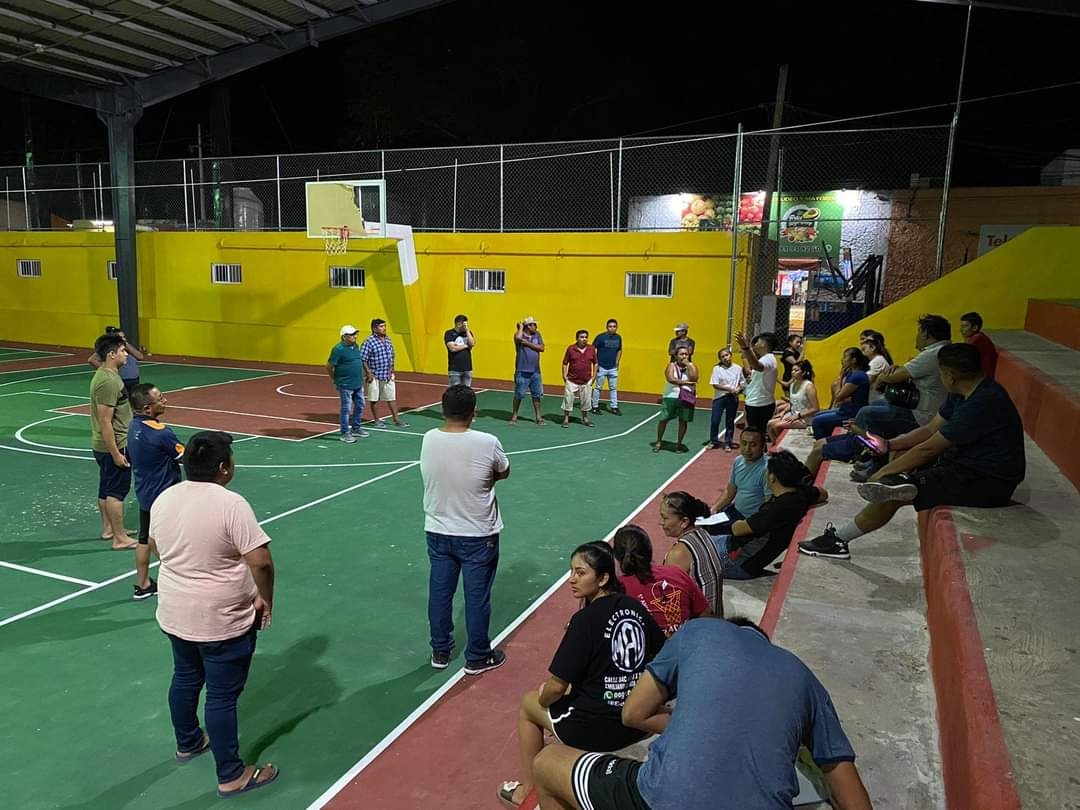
[377,354]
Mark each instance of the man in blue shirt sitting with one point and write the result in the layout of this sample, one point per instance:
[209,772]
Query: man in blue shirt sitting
[714,750]
[155,455]
[747,488]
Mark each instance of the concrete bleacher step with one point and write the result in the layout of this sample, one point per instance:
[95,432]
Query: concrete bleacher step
[861,627]
[1043,379]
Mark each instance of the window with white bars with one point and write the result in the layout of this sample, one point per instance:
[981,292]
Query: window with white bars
[110,269]
[349,278]
[225,273]
[485,280]
[29,268]
[650,285]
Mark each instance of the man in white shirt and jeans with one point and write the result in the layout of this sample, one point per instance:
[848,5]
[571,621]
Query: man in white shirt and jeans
[459,467]
[760,366]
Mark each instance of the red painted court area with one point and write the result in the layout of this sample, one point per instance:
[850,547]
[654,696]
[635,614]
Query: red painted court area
[293,406]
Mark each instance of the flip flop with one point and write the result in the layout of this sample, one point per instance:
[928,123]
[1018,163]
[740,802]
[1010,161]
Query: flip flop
[566,424]
[187,756]
[681,448]
[253,783]
[656,447]
[587,423]
[506,794]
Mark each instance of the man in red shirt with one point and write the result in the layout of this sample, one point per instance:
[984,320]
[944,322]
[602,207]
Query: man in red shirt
[578,373]
[971,329]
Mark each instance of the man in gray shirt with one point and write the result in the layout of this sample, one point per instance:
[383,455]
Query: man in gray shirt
[528,344]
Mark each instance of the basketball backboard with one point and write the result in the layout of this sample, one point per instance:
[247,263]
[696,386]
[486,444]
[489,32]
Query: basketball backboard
[359,205]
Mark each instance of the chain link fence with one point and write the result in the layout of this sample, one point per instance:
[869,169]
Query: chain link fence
[835,205]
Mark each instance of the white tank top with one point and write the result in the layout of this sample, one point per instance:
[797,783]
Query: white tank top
[800,399]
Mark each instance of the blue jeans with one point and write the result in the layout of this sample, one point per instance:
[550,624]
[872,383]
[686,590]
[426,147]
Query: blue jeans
[726,406]
[460,378]
[223,667]
[825,422]
[352,399]
[886,420]
[732,570]
[528,381]
[612,376]
[476,558]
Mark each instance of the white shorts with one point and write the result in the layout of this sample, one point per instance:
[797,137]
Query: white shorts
[575,391]
[381,391]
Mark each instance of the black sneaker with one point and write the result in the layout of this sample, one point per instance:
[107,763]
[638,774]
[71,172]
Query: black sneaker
[493,661]
[826,545]
[440,659]
[890,488]
[147,592]
[616,411]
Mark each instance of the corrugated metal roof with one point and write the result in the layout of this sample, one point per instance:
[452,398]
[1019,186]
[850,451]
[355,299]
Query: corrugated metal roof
[110,42]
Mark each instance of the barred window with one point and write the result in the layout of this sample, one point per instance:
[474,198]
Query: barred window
[350,278]
[29,268]
[485,280]
[650,285]
[110,269]
[225,273]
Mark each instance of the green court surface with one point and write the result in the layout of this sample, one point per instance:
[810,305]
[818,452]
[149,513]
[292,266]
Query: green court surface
[85,677]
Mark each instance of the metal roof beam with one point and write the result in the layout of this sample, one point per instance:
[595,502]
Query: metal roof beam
[138,28]
[35,49]
[190,19]
[111,44]
[310,8]
[166,84]
[271,23]
[51,68]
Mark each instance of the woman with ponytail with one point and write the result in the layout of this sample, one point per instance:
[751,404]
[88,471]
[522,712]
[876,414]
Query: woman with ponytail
[602,655]
[667,592]
[694,551]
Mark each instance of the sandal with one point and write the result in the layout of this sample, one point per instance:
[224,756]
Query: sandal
[187,756]
[681,448]
[656,447]
[566,424]
[506,794]
[587,423]
[253,783]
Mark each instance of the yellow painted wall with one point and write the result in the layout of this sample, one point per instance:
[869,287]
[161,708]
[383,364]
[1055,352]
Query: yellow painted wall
[285,311]
[1040,263]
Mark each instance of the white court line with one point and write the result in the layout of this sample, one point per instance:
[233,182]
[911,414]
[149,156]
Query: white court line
[98,585]
[626,432]
[22,440]
[37,356]
[43,453]
[45,377]
[229,382]
[420,710]
[28,570]
[49,368]
[281,390]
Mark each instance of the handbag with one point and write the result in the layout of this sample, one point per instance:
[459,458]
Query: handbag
[902,395]
[687,397]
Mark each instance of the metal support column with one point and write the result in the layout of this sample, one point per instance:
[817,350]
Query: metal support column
[122,174]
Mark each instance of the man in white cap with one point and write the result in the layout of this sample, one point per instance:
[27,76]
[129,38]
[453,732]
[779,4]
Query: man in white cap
[528,344]
[681,339]
[346,369]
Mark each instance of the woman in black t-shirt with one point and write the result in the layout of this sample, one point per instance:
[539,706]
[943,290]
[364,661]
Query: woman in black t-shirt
[603,653]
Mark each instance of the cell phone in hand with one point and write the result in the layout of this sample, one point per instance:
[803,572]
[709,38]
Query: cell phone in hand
[877,445]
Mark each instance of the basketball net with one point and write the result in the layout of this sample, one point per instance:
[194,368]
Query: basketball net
[670,604]
[336,239]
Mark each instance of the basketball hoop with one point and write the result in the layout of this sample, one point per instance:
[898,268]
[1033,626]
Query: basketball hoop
[336,239]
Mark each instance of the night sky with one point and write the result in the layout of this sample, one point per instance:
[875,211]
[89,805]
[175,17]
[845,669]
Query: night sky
[483,71]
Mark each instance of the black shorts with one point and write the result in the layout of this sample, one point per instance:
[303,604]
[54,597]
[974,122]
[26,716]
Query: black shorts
[945,484]
[130,384]
[113,481]
[144,526]
[604,782]
[587,731]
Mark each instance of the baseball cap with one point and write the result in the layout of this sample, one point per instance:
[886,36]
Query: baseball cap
[348,329]
[681,327]
[529,320]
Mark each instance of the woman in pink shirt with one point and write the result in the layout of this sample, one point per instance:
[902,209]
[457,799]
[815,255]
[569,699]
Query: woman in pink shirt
[666,591]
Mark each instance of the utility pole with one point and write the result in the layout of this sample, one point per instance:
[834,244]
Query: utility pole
[763,266]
